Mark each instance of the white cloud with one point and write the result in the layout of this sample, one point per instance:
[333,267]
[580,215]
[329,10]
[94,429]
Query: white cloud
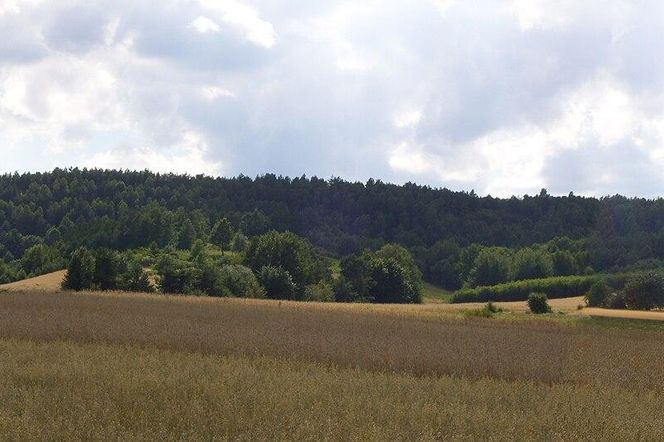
[188,158]
[246,18]
[205,25]
[502,97]
[407,118]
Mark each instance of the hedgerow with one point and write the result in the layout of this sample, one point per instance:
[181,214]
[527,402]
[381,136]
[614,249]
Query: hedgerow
[554,287]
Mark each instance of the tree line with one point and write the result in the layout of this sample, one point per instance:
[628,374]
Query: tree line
[276,265]
[456,238]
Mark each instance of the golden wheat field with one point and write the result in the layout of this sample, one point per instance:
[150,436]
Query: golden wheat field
[120,366]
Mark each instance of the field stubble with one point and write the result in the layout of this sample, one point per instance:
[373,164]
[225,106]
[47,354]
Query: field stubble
[90,366]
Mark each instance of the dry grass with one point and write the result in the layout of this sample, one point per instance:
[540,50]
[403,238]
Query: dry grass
[90,366]
[48,282]
[65,391]
[377,340]
[624,314]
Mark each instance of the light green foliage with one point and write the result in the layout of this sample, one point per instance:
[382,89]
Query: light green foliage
[531,263]
[320,292]
[239,281]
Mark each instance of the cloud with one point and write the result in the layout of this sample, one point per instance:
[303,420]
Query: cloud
[501,97]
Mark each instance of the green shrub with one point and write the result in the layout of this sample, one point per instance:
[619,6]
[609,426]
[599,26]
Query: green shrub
[538,303]
[81,271]
[555,287]
[645,291]
[133,278]
[320,292]
[615,301]
[277,282]
[240,281]
[488,311]
[597,294]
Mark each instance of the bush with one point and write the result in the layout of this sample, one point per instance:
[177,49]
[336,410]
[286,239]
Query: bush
[178,277]
[538,303]
[40,259]
[106,270]
[287,251]
[320,292]
[80,272]
[615,301]
[555,287]
[240,281]
[344,291]
[488,311]
[597,294]
[492,266]
[645,291]
[390,283]
[277,282]
[133,278]
[532,264]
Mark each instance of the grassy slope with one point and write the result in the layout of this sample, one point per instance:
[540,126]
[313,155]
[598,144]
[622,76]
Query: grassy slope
[434,294]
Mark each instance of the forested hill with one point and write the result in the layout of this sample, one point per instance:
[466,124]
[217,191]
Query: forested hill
[123,210]
[337,215]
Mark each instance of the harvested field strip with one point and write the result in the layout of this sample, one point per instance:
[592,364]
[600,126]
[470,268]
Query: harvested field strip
[536,351]
[624,314]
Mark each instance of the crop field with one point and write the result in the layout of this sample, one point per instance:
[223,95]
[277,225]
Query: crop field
[127,366]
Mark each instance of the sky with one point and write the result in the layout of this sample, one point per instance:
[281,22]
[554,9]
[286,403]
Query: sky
[502,97]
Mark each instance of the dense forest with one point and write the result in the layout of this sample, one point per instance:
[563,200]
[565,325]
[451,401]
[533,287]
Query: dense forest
[457,239]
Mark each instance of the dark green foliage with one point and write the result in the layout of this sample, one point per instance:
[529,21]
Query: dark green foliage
[538,303]
[254,223]
[555,287]
[491,267]
[530,263]
[320,292]
[277,282]
[80,271]
[239,243]
[389,275]
[222,233]
[106,269]
[287,251]
[186,235]
[8,273]
[355,273]
[597,294]
[645,291]
[133,278]
[40,259]
[239,281]
[344,291]
[67,209]
[564,263]
[391,283]
[615,300]
[178,277]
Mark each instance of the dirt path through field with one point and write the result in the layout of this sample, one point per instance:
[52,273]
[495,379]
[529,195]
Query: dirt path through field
[624,314]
